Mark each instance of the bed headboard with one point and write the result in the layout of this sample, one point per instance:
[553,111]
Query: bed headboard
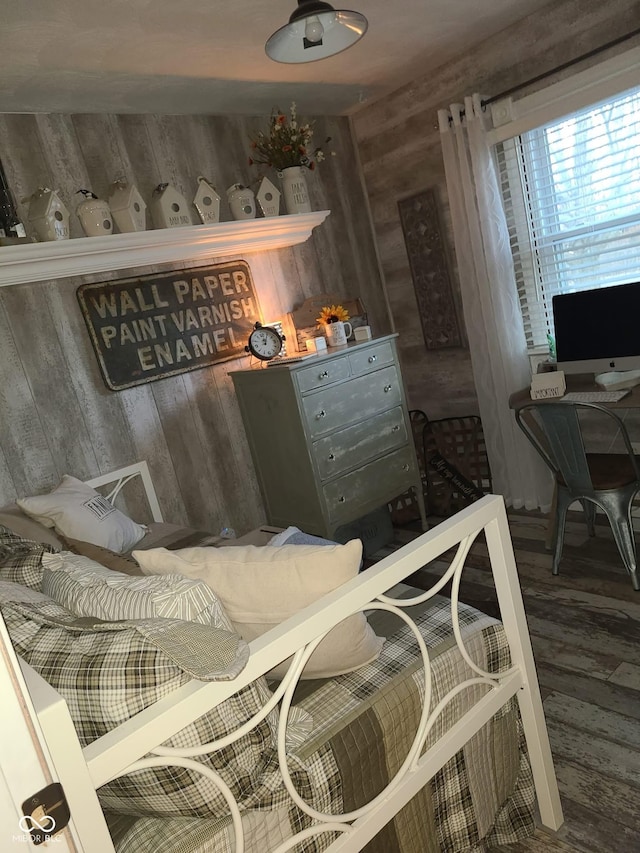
[122,476]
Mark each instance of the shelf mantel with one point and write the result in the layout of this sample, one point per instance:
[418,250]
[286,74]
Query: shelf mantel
[32,262]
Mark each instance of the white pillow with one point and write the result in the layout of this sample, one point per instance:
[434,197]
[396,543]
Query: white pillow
[260,587]
[77,511]
[89,589]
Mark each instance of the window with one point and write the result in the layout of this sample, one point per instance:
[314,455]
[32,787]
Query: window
[571,193]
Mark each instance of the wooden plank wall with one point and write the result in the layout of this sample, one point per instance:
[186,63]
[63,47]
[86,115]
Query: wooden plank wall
[56,415]
[399,145]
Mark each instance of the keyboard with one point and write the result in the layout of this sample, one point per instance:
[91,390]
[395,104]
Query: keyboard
[596,396]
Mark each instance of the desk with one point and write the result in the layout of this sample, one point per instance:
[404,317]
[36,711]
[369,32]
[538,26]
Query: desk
[577,382]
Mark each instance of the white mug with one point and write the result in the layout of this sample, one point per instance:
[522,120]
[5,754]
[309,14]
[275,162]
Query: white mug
[337,333]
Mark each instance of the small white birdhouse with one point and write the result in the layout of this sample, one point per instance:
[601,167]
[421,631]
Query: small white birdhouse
[48,215]
[207,202]
[169,208]
[242,201]
[94,215]
[268,197]
[127,206]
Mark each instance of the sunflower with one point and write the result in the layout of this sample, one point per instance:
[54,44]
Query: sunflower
[332,314]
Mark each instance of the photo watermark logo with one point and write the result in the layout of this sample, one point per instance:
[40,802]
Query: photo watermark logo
[46,824]
[37,829]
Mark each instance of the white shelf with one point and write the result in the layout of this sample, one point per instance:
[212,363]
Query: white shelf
[32,262]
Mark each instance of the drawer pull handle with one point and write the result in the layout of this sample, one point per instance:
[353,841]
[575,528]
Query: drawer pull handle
[405,467]
[395,428]
[321,414]
[324,375]
[332,456]
[372,358]
[387,388]
[341,499]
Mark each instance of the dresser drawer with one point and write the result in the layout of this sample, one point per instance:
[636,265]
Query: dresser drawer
[352,401]
[355,445]
[326,372]
[375,482]
[371,358]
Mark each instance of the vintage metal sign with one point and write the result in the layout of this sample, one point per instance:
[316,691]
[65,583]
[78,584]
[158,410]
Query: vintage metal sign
[147,328]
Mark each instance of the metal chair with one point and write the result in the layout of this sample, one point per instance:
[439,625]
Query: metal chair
[606,480]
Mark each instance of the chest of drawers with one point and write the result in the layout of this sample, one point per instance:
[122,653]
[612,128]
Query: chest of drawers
[330,436]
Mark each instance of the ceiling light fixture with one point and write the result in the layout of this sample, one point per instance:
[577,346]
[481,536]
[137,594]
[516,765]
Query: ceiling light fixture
[315,30]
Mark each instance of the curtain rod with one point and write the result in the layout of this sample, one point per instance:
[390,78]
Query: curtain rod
[559,68]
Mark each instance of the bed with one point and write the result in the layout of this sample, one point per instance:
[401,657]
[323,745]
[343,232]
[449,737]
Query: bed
[439,744]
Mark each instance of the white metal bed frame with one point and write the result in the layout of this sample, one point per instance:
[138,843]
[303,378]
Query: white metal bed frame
[119,479]
[82,771]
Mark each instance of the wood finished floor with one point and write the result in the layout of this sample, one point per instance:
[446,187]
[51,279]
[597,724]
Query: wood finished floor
[585,630]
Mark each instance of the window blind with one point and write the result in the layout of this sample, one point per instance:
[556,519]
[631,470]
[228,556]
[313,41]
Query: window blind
[571,193]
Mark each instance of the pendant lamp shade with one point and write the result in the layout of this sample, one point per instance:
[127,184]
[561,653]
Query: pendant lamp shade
[315,30]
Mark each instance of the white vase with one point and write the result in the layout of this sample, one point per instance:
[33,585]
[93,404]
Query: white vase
[294,189]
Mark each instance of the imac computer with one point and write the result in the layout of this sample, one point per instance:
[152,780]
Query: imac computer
[597,331]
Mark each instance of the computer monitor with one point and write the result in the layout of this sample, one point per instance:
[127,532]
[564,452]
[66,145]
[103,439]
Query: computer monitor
[598,330]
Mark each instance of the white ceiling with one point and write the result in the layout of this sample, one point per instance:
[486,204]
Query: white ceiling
[192,56]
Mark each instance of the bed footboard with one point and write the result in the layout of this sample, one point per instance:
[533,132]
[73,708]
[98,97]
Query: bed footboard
[135,744]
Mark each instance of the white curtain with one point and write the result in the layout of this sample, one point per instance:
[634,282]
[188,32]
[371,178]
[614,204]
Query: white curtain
[489,297]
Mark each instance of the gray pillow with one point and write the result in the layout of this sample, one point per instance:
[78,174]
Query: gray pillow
[11,516]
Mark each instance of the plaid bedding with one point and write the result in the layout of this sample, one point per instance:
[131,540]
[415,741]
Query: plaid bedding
[109,671]
[21,559]
[363,725]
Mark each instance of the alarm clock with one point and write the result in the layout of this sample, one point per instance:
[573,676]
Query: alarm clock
[264,342]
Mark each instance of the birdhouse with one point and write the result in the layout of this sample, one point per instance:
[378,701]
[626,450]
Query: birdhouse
[268,197]
[169,208]
[242,201]
[207,202]
[48,215]
[127,207]
[94,215]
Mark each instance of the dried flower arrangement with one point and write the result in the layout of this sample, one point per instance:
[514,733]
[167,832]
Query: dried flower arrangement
[288,143]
